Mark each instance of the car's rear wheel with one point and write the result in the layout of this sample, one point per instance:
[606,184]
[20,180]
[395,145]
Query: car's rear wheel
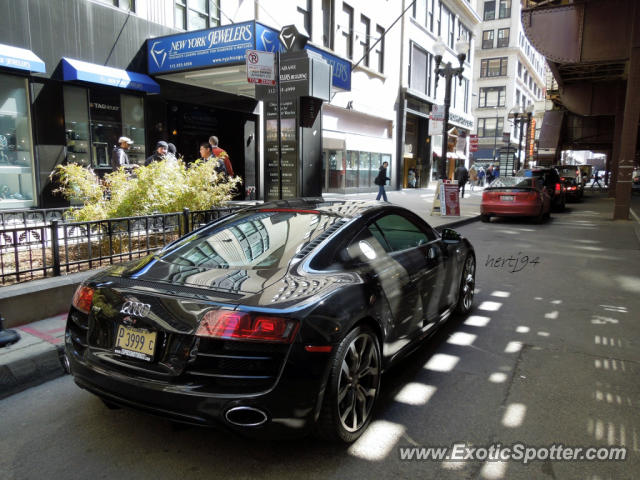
[467,285]
[352,388]
[484,218]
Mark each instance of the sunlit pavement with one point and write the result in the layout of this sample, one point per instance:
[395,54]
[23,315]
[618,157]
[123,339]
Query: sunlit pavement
[550,355]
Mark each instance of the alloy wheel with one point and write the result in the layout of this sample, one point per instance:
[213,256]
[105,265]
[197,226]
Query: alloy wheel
[468,284]
[358,382]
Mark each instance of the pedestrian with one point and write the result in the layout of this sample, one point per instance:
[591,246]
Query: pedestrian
[473,177]
[596,179]
[496,171]
[159,154]
[481,176]
[489,174]
[381,180]
[221,154]
[411,178]
[119,157]
[206,154]
[462,176]
[171,151]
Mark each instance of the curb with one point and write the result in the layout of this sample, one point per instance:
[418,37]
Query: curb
[30,371]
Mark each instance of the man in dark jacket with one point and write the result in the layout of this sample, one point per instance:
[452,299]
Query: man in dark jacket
[380,180]
[159,154]
[462,176]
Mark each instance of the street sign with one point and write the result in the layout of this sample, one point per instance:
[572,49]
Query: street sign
[260,67]
[437,113]
[473,142]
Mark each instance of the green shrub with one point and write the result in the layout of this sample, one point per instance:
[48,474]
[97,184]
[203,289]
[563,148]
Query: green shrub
[161,187]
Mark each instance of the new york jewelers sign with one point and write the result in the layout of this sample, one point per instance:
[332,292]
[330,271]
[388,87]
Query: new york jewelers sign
[227,45]
[202,48]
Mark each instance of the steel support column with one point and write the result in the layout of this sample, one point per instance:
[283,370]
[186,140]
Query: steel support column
[629,125]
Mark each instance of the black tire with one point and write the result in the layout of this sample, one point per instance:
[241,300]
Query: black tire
[485,218]
[467,285]
[352,387]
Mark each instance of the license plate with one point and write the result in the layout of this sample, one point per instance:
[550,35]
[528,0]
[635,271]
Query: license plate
[506,198]
[135,342]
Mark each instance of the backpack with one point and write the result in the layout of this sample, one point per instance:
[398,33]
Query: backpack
[221,167]
[378,180]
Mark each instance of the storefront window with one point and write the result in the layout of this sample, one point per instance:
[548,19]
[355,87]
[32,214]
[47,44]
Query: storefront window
[76,125]
[351,179]
[336,169]
[133,126]
[16,158]
[364,167]
[92,131]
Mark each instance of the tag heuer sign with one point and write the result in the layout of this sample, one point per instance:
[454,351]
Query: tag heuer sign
[260,67]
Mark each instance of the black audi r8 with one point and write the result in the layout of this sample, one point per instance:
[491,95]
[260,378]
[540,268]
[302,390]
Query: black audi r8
[276,320]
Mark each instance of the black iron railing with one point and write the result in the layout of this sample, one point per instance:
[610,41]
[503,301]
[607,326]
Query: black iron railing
[33,250]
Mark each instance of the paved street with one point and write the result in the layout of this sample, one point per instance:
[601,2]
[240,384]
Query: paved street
[549,355]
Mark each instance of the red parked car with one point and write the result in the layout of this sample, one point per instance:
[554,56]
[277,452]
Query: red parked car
[516,197]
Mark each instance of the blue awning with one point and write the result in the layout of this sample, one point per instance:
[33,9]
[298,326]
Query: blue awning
[20,58]
[113,77]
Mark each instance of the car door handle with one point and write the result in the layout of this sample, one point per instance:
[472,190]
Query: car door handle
[432,253]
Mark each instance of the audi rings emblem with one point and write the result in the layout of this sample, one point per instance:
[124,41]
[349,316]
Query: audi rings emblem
[136,308]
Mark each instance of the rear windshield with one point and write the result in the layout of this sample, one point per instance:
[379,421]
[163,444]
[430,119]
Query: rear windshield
[568,171]
[511,182]
[259,239]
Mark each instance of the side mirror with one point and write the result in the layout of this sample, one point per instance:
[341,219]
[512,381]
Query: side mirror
[450,236]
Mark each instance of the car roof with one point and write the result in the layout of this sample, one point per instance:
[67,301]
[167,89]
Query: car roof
[342,208]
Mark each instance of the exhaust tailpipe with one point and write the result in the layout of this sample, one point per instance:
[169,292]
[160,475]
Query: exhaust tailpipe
[246,416]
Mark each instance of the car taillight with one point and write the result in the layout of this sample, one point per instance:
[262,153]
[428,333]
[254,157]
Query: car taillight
[230,325]
[83,298]
[558,188]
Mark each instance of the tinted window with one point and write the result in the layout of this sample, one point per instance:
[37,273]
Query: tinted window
[511,182]
[400,233]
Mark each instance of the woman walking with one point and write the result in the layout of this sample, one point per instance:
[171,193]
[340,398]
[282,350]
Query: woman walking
[380,180]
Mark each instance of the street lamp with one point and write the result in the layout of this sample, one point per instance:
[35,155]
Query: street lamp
[448,72]
[514,113]
[529,111]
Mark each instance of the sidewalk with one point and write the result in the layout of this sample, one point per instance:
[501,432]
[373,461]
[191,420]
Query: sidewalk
[37,356]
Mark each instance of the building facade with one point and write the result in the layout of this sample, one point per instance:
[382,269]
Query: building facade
[420,141]
[509,78]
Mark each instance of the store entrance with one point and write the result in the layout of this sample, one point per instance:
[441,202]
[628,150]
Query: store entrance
[188,125]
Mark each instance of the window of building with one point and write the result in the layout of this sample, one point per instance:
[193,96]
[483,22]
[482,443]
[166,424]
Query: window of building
[365,39]
[493,67]
[517,97]
[303,11]
[449,36]
[519,69]
[328,21]
[487,39]
[16,154]
[492,97]
[122,4]
[503,37]
[378,50]
[465,33]
[490,127]
[504,9]
[465,83]
[430,14]
[421,68]
[490,10]
[347,30]
[196,14]
[439,19]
